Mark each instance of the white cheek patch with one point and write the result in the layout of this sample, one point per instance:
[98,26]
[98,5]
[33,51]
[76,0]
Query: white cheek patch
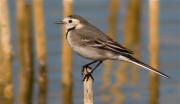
[75,23]
[68,26]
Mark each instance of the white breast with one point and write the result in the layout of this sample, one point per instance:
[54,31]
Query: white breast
[69,39]
[73,44]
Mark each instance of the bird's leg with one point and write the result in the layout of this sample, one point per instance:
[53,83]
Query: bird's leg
[87,65]
[96,66]
[88,74]
[90,63]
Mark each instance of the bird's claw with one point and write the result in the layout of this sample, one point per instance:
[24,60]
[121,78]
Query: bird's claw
[83,69]
[87,73]
[87,76]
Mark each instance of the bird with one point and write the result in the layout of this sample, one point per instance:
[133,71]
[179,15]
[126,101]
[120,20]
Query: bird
[90,42]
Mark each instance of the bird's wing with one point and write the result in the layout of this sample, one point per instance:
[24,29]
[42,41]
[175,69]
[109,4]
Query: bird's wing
[111,46]
[105,44]
[102,41]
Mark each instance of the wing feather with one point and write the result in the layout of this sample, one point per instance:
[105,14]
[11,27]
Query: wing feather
[114,47]
[100,40]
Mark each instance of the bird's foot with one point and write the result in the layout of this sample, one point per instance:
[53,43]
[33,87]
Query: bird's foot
[85,67]
[87,76]
[86,72]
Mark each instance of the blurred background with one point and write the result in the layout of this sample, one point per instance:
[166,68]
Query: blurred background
[37,66]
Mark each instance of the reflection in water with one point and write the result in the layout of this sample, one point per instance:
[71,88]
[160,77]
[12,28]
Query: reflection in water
[121,79]
[67,59]
[106,77]
[6,87]
[41,49]
[154,49]
[24,26]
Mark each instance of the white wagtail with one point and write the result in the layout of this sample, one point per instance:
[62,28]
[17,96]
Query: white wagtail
[90,42]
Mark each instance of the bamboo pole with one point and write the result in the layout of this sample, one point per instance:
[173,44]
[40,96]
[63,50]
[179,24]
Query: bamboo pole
[112,31]
[132,32]
[67,81]
[113,18]
[88,88]
[6,84]
[24,26]
[154,49]
[133,39]
[20,18]
[41,49]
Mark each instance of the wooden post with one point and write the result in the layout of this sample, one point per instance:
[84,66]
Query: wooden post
[41,49]
[67,81]
[24,26]
[6,85]
[154,49]
[112,32]
[132,39]
[88,88]
[132,36]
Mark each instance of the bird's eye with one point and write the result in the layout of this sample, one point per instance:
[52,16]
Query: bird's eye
[70,21]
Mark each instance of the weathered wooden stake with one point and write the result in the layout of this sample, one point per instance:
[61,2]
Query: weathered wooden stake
[25,39]
[41,49]
[67,80]
[88,88]
[154,49]
[6,85]
[114,6]
[132,36]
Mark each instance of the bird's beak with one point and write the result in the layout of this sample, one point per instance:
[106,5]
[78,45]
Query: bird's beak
[60,22]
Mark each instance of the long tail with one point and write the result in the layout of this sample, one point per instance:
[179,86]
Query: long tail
[141,64]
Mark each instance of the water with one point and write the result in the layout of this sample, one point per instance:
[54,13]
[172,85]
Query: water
[97,13]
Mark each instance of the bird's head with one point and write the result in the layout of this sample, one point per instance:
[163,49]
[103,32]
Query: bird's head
[73,21]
